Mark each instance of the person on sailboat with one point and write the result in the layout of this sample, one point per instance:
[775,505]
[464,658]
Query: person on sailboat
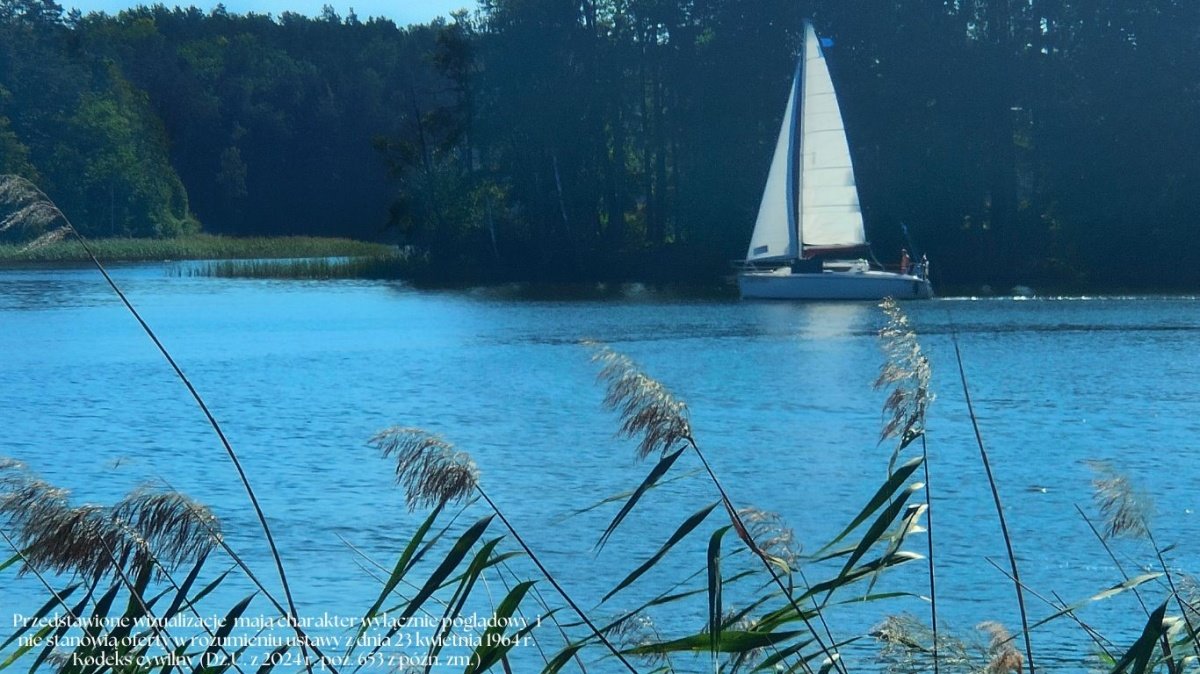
[905,260]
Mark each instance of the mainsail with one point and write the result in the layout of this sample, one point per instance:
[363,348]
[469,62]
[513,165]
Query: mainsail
[810,199]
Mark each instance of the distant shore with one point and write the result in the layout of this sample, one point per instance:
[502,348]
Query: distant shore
[197,247]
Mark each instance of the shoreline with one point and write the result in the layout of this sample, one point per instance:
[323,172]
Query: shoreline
[196,247]
[317,258]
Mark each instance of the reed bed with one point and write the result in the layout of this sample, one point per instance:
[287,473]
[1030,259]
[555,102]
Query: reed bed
[391,265]
[119,573]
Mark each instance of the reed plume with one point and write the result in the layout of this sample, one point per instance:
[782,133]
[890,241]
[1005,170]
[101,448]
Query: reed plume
[168,525]
[1127,513]
[30,211]
[94,541]
[1002,657]
[906,372]
[772,535]
[431,471]
[648,410]
[1126,510]
[635,631]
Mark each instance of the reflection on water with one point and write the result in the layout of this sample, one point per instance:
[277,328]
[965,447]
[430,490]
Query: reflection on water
[302,373]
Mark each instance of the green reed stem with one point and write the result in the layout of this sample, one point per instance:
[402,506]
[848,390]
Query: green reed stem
[304,638]
[550,577]
[833,657]
[212,422]
[987,467]
[929,542]
[1174,591]
[1172,667]
[1101,642]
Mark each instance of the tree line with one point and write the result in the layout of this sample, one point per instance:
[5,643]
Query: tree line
[1040,142]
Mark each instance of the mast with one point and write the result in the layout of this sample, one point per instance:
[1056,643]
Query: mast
[795,152]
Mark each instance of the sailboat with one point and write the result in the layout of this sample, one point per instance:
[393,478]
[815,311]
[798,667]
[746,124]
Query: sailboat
[808,240]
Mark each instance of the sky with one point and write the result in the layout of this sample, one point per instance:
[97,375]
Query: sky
[403,12]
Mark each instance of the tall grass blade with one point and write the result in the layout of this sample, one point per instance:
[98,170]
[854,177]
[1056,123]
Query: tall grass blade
[454,607]
[562,592]
[563,657]
[880,526]
[791,613]
[1113,591]
[98,619]
[624,496]
[1137,659]
[225,628]
[680,533]
[883,495]
[30,192]
[212,585]
[450,562]
[30,644]
[773,662]
[987,468]
[715,610]
[41,613]
[183,589]
[664,464]
[403,564]
[76,613]
[491,648]
[908,525]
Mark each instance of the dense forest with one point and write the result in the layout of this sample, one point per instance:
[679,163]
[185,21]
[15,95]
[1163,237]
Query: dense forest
[1032,141]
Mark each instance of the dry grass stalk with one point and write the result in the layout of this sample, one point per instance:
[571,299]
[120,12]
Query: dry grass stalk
[646,407]
[906,373]
[431,471]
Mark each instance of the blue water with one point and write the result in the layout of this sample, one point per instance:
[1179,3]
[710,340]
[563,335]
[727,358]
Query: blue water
[301,374]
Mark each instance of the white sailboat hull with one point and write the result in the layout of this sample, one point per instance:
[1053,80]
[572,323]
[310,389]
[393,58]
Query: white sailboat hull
[783,284]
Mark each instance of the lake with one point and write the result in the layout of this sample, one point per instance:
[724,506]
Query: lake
[302,374]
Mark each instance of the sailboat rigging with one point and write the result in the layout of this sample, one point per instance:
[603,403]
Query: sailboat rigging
[810,208]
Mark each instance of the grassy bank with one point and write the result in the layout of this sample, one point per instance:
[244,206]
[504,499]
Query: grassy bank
[199,247]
